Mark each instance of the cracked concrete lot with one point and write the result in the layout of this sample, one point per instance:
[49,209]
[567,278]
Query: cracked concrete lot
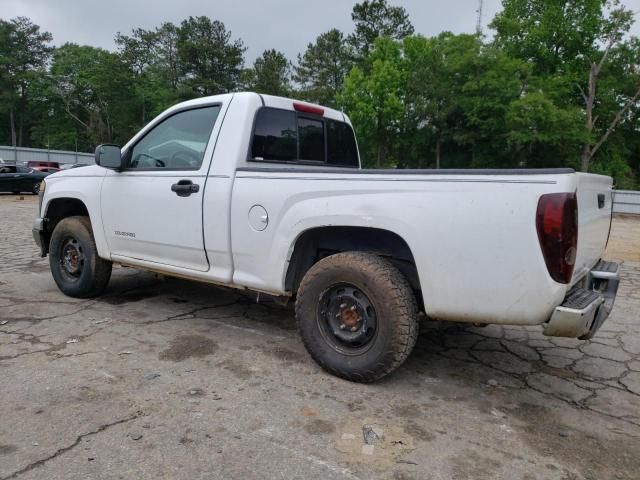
[173,379]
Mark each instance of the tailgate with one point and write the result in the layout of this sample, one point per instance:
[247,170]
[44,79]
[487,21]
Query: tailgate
[594,220]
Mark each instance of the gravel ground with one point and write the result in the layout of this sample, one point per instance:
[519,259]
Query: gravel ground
[172,379]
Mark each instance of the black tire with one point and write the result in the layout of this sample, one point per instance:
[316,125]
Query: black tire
[36,188]
[75,265]
[394,315]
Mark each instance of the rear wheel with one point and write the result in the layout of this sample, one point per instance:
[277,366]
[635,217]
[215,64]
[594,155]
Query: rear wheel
[357,315]
[36,188]
[75,265]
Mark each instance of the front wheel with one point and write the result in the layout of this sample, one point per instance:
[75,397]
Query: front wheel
[357,315]
[35,189]
[75,265]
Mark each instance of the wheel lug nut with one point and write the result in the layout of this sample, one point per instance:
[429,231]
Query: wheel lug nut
[343,326]
[353,308]
[343,305]
[353,329]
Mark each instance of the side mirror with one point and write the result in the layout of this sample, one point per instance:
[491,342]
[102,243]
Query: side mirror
[109,156]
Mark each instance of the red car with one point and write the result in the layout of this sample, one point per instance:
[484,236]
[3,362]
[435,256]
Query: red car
[47,169]
[42,163]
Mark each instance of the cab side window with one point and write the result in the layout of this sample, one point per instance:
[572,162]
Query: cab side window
[341,145]
[177,143]
[275,136]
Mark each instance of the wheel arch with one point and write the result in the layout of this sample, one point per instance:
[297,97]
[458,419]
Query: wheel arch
[316,243]
[60,208]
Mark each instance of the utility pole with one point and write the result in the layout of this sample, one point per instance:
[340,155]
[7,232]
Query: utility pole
[479,22]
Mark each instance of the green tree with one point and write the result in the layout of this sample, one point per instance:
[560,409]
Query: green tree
[581,56]
[209,59]
[138,49]
[614,28]
[552,34]
[374,102]
[322,68]
[493,81]
[151,55]
[374,19]
[24,52]
[94,87]
[436,69]
[271,74]
[541,133]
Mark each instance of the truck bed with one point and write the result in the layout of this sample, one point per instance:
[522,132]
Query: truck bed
[472,232]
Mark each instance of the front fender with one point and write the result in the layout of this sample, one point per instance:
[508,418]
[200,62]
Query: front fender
[85,188]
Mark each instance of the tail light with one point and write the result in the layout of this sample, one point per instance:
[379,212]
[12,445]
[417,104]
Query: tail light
[557,225]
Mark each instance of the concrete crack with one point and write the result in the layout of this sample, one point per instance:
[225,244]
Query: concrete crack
[60,451]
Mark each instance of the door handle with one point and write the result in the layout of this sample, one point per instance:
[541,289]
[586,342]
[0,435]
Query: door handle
[601,200]
[184,188]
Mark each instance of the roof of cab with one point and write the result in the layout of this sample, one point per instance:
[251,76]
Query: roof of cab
[267,100]
[287,104]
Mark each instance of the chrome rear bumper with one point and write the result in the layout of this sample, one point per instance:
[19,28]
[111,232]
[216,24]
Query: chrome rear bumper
[586,307]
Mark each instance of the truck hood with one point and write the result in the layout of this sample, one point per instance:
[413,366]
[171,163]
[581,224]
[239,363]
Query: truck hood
[88,171]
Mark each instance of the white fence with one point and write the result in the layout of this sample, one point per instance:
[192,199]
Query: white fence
[626,201]
[21,154]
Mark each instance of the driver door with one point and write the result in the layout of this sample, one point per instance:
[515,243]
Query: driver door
[6,179]
[152,210]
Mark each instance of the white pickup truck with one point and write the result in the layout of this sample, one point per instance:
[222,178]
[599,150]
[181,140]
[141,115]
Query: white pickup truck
[266,194]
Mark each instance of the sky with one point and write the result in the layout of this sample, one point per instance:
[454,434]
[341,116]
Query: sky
[286,25]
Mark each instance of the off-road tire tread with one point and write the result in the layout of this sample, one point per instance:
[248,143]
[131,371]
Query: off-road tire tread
[397,293]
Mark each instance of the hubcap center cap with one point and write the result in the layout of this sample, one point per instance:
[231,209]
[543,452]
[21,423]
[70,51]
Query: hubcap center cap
[72,258]
[349,317]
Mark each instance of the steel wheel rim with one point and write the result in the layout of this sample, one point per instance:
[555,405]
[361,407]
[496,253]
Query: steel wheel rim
[72,258]
[347,319]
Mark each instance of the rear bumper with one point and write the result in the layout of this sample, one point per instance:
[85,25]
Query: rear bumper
[587,306]
[38,235]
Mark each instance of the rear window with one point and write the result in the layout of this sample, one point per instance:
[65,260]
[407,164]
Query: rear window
[311,138]
[289,136]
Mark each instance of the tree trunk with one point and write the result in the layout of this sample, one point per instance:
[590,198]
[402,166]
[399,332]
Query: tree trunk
[589,100]
[379,156]
[20,130]
[438,153]
[586,158]
[590,148]
[13,128]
